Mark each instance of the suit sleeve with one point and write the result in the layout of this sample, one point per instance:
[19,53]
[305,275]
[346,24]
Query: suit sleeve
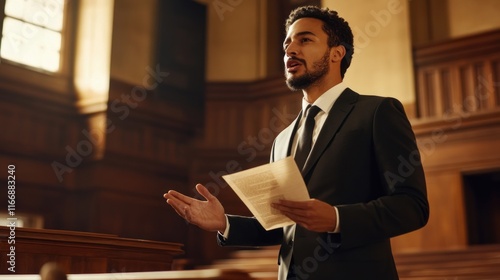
[247,231]
[404,206]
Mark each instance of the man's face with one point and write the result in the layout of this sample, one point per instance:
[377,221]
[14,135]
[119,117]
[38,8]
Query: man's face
[307,54]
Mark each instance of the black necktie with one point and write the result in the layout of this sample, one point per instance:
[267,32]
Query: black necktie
[305,138]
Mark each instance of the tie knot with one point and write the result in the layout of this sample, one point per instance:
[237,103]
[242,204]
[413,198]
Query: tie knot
[312,112]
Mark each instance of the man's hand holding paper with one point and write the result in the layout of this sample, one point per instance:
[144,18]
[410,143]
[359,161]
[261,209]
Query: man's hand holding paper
[312,214]
[263,185]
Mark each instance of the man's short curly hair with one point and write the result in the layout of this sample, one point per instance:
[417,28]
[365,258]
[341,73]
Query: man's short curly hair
[337,29]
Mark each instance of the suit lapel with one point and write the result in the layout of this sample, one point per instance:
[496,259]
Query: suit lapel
[340,110]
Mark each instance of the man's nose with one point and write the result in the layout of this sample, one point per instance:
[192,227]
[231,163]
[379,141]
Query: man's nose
[291,50]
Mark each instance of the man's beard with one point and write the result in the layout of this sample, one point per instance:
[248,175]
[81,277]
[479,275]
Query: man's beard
[319,70]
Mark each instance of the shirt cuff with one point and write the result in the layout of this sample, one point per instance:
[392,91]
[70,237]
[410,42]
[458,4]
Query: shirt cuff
[225,234]
[337,225]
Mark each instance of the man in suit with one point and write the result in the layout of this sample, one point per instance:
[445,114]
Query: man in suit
[363,173]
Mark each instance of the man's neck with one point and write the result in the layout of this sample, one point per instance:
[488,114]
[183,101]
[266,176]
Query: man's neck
[313,92]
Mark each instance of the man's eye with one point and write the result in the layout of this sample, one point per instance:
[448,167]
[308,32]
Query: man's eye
[303,40]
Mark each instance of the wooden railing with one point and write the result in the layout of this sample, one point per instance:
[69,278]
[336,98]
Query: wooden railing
[460,75]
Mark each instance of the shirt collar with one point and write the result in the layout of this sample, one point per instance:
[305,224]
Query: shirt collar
[326,100]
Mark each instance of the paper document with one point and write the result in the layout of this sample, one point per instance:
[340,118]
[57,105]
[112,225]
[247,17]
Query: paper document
[258,187]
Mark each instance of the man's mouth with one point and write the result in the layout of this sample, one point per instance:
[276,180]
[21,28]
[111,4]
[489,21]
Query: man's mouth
[293,65]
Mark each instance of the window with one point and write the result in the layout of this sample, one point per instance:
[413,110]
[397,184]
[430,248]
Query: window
[32,33]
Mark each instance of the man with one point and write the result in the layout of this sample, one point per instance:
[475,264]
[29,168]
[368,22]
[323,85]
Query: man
[363,173]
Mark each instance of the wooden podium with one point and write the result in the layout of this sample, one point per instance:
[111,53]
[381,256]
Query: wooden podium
[82,252]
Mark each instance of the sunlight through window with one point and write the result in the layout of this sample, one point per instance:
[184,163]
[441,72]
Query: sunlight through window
[31,33]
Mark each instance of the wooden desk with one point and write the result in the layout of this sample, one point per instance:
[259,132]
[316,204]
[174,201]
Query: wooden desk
[82,252]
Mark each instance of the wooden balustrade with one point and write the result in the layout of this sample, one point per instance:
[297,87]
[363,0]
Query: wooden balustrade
[458,75]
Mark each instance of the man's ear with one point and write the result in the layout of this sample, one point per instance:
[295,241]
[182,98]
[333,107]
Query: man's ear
[337,53]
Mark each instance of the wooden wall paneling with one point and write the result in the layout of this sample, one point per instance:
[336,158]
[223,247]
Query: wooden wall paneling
[32,131]
[131,215]
[236,121]
[224,123]
[454,143]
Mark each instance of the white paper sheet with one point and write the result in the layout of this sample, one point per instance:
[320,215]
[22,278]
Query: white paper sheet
[258,187]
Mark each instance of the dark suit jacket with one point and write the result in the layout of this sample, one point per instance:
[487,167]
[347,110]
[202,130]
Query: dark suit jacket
[366,163]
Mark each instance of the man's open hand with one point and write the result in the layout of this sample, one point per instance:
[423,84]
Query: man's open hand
[208,215]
